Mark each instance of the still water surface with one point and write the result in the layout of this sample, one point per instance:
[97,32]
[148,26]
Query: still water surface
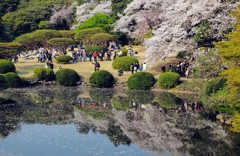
[73,121]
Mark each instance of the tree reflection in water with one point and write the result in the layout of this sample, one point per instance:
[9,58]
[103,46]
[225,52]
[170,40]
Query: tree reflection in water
[165,123]
[10,114]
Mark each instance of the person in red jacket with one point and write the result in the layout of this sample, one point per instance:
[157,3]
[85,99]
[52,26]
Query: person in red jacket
[95,56]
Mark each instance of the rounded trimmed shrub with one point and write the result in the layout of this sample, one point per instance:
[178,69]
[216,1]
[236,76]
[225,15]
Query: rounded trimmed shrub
[3,82]
[67,77]
[6,66]
[168,80]
[95,48]
[63,59]
[102,78]
[101,38]
[13,80]
[44,74]
[124,62]
[215,85]
[141,81]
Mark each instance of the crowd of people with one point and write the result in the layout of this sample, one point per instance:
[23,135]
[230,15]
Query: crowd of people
[135,67]
[183,67]
[81,55]
[113,50]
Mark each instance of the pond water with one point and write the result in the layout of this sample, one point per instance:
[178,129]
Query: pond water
[74,121]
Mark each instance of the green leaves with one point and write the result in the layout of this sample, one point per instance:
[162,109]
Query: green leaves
[61,43]
[100,20]
[86,34]
[28,14]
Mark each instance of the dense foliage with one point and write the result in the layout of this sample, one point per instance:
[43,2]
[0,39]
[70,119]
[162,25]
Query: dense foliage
[9,49]
[208,65]
[214,85]
[168,80]
[61,43]
[95,48]
[67,77]
[102,78]
[118,6]
[141,81]
[99,20]
[6,66]
[3,82]
[25,16]
[44,74]
[41,37]
[67,33]
[101,38]
[124,63]
[63,59]
[13,80]
[86,34]
[236,123]
[6,6]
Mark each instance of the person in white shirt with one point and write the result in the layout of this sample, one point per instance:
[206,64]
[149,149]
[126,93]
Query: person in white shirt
[144,66]
[120,53]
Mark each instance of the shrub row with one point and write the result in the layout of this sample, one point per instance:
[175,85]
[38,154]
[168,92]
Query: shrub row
[144,80]
[141,81]
[65,77]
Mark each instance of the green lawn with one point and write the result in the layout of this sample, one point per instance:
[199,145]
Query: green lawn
[25,68]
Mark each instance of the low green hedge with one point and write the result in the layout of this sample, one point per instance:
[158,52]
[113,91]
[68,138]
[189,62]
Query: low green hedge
[215,85]
[13,80]
[141,81]
[63,59]
[6,66]
[102,78]
[67,77]
[3,82]
[124,62]
[95,48]
[168,80]
[44,74]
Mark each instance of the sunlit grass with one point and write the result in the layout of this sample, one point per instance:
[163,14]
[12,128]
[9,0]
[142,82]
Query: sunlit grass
[25,68]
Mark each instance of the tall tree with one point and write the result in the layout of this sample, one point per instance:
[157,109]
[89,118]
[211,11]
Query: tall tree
[61,43]
[42,36]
